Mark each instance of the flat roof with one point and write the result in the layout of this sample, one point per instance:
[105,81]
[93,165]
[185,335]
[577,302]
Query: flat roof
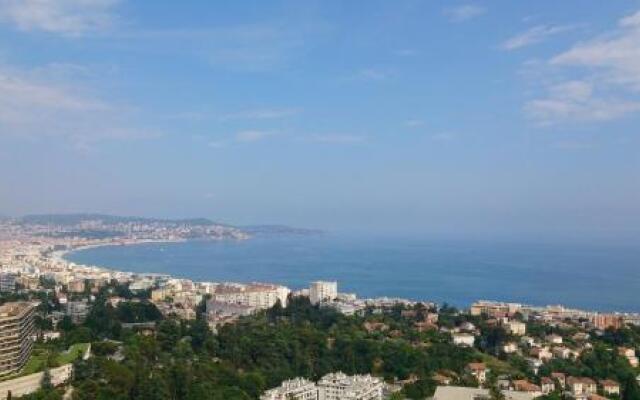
[14,309]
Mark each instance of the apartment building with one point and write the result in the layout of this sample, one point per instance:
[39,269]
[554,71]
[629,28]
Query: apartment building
[323,291]
[77,311]
[494,309]
[516,328]
[256,295]
[604,321]
[338,386]
[7,282]
[16,336]
[294,389]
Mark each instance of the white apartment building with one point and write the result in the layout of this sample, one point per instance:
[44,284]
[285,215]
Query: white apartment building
[258,296]
[338,386]
[321,291]
[516,328]
[463,339]
[294,389]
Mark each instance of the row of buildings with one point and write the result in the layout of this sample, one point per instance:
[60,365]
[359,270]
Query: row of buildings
[334,386]
[590,319]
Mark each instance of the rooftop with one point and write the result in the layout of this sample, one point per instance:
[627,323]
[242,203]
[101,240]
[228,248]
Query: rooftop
[14,309]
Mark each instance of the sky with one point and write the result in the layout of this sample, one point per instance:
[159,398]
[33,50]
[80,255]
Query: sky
[494,118]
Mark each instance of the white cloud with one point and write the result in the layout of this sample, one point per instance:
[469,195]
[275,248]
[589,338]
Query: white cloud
[443,137]
[216,144]
[407,52]
[594,80]
[572,145]
[616,55]
[266,113]
[338,138]
[372,74]
[464,12]
[33,106]
[574,101]
[413,123]
[252,136]
[534,35]
[66,17]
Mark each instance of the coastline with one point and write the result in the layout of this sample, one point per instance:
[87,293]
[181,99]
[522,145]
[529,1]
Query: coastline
[59,255]
[363,290]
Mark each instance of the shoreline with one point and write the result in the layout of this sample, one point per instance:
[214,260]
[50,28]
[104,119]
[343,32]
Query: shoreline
[60,255]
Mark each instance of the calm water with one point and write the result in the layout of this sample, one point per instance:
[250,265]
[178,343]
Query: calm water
[601,278]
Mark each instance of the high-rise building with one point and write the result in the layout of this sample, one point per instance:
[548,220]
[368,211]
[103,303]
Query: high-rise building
[323,291]
[7,282]
[16,336]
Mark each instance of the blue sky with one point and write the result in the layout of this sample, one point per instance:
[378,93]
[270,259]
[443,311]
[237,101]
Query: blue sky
[456,118]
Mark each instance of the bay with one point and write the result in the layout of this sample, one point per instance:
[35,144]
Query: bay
[595,277]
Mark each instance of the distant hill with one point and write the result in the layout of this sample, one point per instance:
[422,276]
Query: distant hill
[264,230]
[71,221]
[74,219]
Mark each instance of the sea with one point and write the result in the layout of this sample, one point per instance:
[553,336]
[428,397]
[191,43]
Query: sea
[593,277]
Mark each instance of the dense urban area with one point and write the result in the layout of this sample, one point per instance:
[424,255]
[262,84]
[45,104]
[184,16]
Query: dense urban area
[85,332]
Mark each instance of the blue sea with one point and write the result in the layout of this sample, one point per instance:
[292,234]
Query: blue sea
[594,277]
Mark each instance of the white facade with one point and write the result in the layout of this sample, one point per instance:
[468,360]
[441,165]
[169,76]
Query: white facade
[294,389]
[467,393]
[338,386]
[516,328]
[255,295]
[463,339]
[321,291]
[335,386]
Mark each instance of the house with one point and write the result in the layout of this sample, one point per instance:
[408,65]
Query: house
[554,339]
[371,327]
[463,339]
[516,328]
[467,326]
[560,377]
[626,352]
[596,397]
[423,326]
[630,355]
[610,387]
[479,371]
[534,364]
[579,386]
[528,341]
[441,379]
[541,353]
[562,352]
[547,385]
[581,336]
[524,385]
[510,347]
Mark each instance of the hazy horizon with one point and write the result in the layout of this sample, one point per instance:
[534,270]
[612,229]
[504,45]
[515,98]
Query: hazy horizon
[453,119]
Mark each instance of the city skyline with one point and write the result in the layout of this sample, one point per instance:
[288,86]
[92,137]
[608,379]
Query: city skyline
[465,118]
